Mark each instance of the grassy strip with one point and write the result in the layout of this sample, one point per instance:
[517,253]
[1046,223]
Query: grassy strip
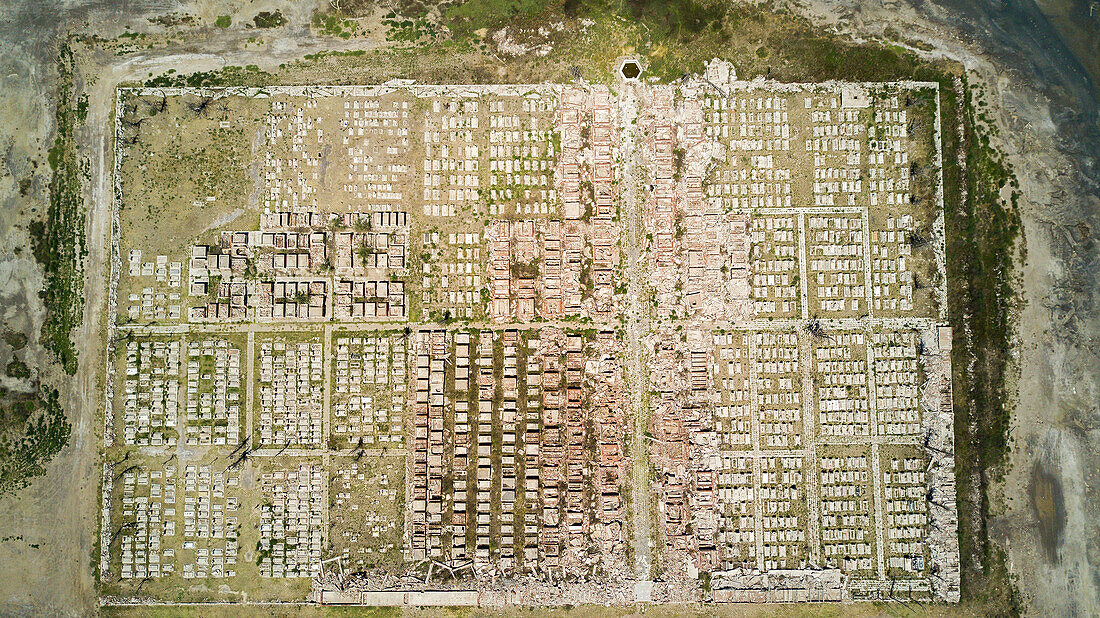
[59,239]
[994,224]
[982,239]
[249,75]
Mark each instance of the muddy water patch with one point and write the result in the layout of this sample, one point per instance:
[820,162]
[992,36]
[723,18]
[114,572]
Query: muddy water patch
[1048,505]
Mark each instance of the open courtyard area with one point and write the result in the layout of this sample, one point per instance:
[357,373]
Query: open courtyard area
[529,344]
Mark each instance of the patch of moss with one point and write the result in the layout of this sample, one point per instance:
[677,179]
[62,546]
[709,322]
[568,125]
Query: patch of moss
[333,25]
[468,17]
[18,369]
[15,339]
[269,19]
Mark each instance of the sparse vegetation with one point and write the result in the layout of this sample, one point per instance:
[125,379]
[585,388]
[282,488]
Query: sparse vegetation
[528,270]
[58,239]
[228,76]
[334,25]
[33,429]
[173,19]
[982,236]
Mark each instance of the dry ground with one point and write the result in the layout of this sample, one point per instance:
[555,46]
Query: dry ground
[49,528]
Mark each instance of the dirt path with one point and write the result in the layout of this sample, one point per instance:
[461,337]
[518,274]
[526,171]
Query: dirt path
[637,328]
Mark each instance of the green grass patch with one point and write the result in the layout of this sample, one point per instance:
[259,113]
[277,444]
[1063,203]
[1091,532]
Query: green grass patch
[409,30]
[249,75]
[334,25]
[678,19]
[466,18]
[223,21]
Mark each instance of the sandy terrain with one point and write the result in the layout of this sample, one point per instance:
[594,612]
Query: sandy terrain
[1045,501]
